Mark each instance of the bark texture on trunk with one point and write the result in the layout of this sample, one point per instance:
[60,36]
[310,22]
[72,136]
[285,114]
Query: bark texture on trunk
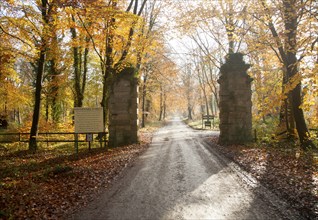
[293,74]
[38,82]
[37,103]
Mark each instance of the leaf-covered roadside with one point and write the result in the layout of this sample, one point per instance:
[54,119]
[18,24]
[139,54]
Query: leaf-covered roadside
[290,174]
[52,188]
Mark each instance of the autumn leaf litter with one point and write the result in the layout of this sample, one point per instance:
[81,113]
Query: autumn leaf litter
[64,185]
[68,185]
[290,174]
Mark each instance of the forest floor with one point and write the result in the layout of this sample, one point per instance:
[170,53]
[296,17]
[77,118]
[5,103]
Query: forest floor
[289,173]
[47,185]
[50,184]
[284,169]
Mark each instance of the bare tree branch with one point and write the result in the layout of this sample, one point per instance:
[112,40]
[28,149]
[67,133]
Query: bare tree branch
[15,37]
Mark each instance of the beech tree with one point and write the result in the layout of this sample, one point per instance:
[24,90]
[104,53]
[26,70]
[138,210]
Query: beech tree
[6,70]
[163,87]
[55,66]
[145,52]
[112,37]
[287,47]
[285,27]
[23,32]
[14,92]
[207,32]
[41,47]
[207,78]
[80,62]
[187,80]
[29,26]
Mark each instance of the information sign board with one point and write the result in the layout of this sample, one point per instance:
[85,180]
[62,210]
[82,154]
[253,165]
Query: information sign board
[88,120]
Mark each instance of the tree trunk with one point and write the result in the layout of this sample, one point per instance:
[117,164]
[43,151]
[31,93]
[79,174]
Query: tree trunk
[291,22]
[19,116]
[105,97]
[37,103]
[202,82]
[207,104]
[201,104]
[108,69]
[301,126]
[78,93]
[212,85]
[56,109]
[288,55]
[78,63]
[161,104]
[189,108]
[54,93]
[190,113]
[230,27]
[296,101]
[212,105]
[38,83]
[47,107]
[286,127]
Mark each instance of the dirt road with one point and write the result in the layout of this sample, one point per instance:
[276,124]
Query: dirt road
[181,177]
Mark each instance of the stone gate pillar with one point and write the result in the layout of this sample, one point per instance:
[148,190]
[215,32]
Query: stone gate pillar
[235,101]
[123,109]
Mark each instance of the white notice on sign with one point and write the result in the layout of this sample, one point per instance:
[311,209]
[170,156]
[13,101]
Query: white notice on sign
[88,120]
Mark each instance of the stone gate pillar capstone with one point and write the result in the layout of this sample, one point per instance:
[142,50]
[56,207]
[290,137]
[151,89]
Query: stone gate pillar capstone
[235,101]
[123,109]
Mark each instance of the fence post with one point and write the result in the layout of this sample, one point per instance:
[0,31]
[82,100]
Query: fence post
[76,144]
[100,139]
[105,140]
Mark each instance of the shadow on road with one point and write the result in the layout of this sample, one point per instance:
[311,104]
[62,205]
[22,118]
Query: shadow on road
[181,177]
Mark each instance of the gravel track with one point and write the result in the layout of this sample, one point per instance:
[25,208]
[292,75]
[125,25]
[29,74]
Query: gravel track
[182,177]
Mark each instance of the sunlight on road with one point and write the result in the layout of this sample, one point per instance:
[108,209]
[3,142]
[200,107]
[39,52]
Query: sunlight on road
[214,199]
[180,177]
